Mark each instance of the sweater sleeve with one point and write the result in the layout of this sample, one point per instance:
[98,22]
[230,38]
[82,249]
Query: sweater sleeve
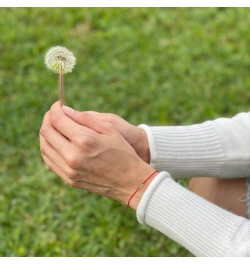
[219,148]
[198,225]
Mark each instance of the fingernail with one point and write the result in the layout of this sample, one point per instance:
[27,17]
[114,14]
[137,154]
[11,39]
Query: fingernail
[67,110]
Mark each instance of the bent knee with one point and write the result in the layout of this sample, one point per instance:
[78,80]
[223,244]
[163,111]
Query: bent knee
[205,187]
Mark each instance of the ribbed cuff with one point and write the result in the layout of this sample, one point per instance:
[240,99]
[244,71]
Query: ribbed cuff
[151,142]
[198,225]
[142,207]
[186,151]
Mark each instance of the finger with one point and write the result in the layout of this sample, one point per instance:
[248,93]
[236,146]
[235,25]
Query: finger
[58,141]
[127,130]
[65,125]
[77,115]
[73,174]
[89,119]
[48,151]
[80,184]
[57,170]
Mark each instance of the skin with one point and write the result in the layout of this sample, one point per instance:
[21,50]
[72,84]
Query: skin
[108,156]
[91,154]
[229,194]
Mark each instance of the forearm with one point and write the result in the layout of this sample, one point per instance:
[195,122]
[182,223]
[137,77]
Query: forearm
[215,148]
[200,226]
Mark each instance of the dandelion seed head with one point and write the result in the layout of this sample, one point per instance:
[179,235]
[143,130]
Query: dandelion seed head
[57,57]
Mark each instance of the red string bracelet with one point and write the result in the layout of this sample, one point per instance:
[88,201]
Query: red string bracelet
[142,184]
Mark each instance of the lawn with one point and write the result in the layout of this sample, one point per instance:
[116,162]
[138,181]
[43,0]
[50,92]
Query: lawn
[149,65]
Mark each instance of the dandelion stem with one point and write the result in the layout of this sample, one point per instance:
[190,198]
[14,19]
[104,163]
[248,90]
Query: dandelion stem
[60,86]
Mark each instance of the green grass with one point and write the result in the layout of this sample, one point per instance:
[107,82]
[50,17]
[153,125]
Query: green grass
[149,65]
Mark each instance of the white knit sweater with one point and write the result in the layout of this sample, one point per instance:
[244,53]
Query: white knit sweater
[219,148]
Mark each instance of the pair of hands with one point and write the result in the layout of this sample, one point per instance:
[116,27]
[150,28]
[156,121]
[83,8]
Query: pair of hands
[99,152]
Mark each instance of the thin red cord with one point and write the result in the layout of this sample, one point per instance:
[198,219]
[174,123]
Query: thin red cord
[142,184]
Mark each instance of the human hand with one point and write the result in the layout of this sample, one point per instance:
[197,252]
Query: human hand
[135,136]
[92,156]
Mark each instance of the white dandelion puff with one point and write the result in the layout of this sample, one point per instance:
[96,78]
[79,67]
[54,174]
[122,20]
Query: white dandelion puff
[61,61]
[57,57]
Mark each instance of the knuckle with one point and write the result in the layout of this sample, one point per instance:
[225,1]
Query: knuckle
[86,115]
[48,166]
[112,117]
[43,150]
[109,127]
[54,118]
[47,163]
[109,117]
[73,161]
[84,141]
[69,182]
[46,116]
[71,173]
[43,147]
[43,131]
[92,112]
[44,127]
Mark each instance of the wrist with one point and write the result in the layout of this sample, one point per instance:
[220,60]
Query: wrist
[135,197]
[142,146]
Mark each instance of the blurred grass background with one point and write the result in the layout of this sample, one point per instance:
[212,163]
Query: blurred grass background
[148,65]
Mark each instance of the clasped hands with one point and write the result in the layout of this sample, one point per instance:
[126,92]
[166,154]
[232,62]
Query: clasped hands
[98,152]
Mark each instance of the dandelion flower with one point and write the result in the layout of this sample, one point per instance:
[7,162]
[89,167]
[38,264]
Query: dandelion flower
[61,61]
[57,57]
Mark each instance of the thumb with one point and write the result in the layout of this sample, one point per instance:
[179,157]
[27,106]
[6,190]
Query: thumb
[73,114]
[89,119]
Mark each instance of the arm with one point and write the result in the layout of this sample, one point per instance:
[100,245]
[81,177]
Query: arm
[200,226]
[92,155]
[218,148]
[95,157]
